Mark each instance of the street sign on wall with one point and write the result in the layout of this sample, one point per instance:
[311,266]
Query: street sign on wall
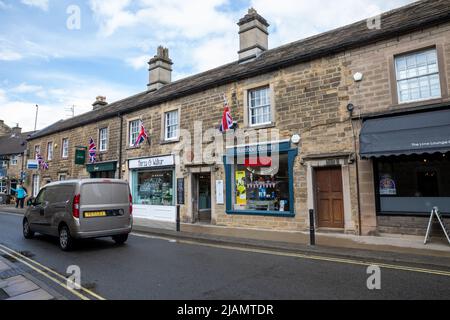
[32,164]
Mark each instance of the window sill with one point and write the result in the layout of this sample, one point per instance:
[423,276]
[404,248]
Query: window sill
[169,141]
[132,148]
[262,213]
[261,126]
[407,214]
[416,103]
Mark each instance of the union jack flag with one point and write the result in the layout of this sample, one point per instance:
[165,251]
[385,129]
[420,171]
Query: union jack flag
[227,120]
[42,164]
[143,135]
[92,151]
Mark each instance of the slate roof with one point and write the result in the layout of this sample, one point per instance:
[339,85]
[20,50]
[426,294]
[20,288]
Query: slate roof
[14,144]
[393,23]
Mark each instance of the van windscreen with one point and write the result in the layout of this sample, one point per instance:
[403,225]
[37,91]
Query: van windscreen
[104,193]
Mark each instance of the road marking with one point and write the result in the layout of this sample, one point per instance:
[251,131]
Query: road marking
[23,259]
[12,214]
[306,256]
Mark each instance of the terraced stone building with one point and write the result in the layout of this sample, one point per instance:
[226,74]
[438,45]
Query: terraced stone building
[352,123]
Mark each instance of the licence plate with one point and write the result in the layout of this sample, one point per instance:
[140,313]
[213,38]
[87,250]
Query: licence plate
[95,214]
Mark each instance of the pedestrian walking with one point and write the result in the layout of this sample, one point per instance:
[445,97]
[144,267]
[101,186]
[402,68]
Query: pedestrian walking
[21,194]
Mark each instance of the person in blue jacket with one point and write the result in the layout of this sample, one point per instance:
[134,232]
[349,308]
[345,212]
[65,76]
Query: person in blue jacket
[21,194]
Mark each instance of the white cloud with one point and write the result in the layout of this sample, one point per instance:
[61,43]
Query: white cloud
[2,96]
[190,19]
[205,35]
[26,88]
[293,20]
[9,55]
[215,52]
[16,107]
[139,62]
[41,4]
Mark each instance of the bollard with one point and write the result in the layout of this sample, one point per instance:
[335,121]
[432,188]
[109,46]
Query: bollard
[312,231]
[178,218]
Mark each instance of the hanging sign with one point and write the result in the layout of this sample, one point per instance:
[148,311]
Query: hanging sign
[80,156]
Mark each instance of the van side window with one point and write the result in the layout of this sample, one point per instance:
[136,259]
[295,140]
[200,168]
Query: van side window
[40,197]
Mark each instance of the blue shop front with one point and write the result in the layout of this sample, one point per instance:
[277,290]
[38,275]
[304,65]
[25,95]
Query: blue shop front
[260,179]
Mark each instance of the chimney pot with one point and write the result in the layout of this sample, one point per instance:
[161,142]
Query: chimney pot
[160,69]
[253,35]
[100,101]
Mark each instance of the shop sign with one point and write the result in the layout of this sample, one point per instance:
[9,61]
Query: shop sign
[152,162]
[98,167]
[180,190]
[257,149]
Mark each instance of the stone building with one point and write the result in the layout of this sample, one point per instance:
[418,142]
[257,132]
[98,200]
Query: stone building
[13,145]
[321,124]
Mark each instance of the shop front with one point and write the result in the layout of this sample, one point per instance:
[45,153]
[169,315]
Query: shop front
[411,163]
[259,179]
[105,170]
[152,184]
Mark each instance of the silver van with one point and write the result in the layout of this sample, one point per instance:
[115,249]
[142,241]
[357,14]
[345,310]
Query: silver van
[79,209]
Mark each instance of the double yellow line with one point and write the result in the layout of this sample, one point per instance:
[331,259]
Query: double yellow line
[82,293]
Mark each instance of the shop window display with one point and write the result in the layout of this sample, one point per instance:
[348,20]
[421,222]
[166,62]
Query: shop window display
[262,185]
[414,184]
[153,188]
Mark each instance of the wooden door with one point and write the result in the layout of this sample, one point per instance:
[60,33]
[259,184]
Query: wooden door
[329,198]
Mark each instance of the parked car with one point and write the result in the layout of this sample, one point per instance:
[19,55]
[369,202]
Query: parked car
[80,209]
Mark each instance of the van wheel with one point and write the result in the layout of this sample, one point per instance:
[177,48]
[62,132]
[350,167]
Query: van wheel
[120,239]
[65,239]
[27,232]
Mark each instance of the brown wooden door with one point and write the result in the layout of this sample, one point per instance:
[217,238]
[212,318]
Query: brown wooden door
[329,198]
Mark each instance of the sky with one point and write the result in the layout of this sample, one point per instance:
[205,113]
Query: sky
[59,53]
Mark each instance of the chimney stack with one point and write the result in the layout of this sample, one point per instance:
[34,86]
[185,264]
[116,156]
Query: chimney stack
[16,131]
[100,101]
[160,68]
[253,36]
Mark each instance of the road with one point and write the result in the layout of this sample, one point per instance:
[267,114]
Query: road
[156,268]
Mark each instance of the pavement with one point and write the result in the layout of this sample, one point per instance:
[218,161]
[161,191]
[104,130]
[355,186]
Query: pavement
[16,284]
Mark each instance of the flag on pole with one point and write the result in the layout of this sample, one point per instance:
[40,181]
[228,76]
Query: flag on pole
[227,119]
[42,164]
[143,135]
[92,151]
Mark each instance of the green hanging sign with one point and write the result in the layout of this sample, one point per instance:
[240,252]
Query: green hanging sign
[80,155]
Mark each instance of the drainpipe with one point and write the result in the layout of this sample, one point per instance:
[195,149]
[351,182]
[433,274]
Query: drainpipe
[350,109]
[120,144]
